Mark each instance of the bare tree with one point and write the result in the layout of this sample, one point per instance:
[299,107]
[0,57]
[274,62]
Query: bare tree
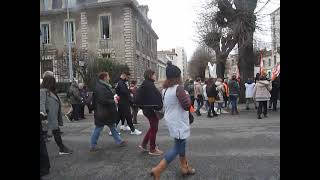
[199,61]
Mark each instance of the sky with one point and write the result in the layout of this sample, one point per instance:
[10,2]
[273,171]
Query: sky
[174,21]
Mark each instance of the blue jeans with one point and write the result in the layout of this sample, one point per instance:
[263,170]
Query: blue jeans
[178,148]
[96,133]
[233,99]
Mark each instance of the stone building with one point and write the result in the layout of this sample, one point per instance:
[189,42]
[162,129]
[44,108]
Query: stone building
[118,29]
[275,33]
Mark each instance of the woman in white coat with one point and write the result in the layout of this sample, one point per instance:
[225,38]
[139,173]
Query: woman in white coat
[176,103]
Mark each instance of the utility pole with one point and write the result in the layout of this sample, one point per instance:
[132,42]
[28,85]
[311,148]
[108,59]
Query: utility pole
[69,43]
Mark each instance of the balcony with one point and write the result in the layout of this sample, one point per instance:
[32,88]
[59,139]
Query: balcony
[104,44]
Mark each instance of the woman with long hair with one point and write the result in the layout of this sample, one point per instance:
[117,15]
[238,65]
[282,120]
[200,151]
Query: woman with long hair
[50,106]
[149,99]
[176,107]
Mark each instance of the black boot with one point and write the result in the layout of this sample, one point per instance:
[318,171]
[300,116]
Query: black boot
[209,115]
[259,117]
[198,113]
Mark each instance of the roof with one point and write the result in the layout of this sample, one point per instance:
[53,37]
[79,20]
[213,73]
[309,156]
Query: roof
[275,11]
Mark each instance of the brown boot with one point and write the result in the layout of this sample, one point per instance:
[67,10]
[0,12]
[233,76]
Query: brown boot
[185,168]
[156,171]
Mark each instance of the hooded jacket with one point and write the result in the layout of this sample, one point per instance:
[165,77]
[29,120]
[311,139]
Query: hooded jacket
[262,90]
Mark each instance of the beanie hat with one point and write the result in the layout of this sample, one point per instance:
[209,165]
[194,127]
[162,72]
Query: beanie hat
[172,71]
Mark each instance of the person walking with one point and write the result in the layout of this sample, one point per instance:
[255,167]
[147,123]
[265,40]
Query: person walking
[249,85]
[205,96]
[75,101]
[212,94]
[220,92]
[105,111]
[149,99]
[226,94]
[234,91]
[198,94]
[83,96]
[190,90]
[262,95]
[125,102]
[133,90]
[176,105]
[275,93]
[50,106]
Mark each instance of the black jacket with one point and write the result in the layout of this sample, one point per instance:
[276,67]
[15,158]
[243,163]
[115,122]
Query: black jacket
[275,89]
[123,91]
[148,96]
[105,111]
[211,91]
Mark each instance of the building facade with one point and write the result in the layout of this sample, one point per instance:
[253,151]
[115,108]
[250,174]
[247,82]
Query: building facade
[275,33]
[117,29]
[178,57]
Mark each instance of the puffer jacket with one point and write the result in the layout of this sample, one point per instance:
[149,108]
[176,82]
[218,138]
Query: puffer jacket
[262,90]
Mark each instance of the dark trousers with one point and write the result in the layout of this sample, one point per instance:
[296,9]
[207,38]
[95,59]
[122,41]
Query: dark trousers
[125,114]
[200,103]
[192,100]
[233,99]
[75,112]
[135,111]
[225,98]
[44,157]
[263,104]
[57,138]
[152,132]
[211,109]
[81,110]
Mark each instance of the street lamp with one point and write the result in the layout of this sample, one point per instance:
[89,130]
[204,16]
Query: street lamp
[69,43]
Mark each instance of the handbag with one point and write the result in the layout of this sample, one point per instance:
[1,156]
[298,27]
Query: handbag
[160,113]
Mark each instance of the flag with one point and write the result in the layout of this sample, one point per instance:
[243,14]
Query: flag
[275,71]
[261,63]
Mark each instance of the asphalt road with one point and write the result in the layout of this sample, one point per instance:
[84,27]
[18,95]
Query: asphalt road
[226,147]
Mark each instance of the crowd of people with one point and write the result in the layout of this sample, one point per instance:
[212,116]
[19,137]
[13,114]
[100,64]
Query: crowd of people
[217,94]
[111,104]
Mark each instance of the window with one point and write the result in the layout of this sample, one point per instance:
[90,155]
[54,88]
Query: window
[45,4]
[275,60]
[70,3]
[106,55]
[269,62]
[67,25]
[45,31]
[105,27]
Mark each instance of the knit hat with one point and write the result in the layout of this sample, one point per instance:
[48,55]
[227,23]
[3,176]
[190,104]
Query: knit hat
[172,71]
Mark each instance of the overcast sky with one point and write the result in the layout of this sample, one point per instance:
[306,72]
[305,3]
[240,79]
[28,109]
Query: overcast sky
[174,22]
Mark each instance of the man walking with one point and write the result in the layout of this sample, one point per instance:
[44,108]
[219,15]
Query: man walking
[125,102]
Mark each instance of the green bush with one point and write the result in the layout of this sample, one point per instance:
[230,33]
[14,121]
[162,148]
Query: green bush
[103,64]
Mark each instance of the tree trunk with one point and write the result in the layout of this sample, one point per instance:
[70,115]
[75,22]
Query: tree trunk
[220,69]
[246,65]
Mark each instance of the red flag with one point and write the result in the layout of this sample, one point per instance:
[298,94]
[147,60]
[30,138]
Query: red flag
[261,63]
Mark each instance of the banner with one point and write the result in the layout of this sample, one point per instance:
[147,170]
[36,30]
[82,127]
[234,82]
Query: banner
[261,63]
[275,71]
[212,70]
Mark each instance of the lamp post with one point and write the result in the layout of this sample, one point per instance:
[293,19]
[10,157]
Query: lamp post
[69,43]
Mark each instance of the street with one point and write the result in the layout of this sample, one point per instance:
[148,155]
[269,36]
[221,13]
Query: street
[226,147]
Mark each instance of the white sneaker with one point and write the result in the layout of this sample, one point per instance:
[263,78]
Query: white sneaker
[110,133]
[136,132]
[127,128]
